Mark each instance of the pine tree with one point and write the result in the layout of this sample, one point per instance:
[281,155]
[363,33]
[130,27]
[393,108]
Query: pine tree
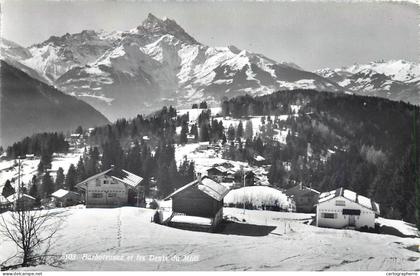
[183,137]
[134,161]
[240,130]
[8,190]
[113,154]
[45,162]
[71,178]
[194,131]
[231,133]
[33,191]
[224,139]
[249,130]
[203,105]
[80,171]
[276,174]
[92,162]
[59,180]
[163,181]
[204,132]
[79,130]
[47,185]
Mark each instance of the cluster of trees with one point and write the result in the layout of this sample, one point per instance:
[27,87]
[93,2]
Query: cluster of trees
[203,105]
[365,144]
[38,144]
[143,146]
[160,126]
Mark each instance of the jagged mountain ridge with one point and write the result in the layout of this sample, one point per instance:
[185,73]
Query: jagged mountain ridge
[29,106]
[136,71]
[394,79]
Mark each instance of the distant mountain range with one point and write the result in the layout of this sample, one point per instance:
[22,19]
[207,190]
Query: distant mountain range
[395,79]
[30,106]
[123,73]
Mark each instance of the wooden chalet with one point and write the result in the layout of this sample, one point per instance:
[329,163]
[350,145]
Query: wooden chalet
[64,198]
[112,188]
[198,205]
[305,198]
[5,205]
[21,201]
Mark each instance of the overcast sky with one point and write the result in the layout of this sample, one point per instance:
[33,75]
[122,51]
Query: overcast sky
[311,34]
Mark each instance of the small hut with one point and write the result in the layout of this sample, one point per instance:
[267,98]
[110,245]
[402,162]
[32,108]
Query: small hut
[199,203]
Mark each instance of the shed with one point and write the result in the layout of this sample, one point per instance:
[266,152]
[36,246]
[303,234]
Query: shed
[305,198]
[64,198]
[202,197]
[22,201]
[5,205]
[344,208]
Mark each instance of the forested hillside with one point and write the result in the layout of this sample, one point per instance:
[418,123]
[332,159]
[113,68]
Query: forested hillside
[366,144]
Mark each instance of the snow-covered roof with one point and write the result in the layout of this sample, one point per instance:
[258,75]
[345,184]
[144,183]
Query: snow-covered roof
[13,197]
[259,158]
[61,193]
[352,196]
[123,176]
[221,169]
[3,200]
[207,186]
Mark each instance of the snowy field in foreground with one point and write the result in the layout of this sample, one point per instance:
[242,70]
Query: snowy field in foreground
[268,241]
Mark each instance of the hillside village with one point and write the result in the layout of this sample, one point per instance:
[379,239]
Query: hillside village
[193,170]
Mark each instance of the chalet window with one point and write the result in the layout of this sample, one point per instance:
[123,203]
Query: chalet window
[354,212]
[329,215]
[340,203]
[97,195]
[105,181]
[98,182]
[112,194]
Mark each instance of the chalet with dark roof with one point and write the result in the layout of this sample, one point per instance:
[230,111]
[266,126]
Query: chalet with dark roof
[305,198]
[199,202]
[112,188]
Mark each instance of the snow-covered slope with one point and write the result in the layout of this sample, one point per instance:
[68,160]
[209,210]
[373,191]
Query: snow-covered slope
[57,55]
[394,79]
[127,72]
[15,55]
[9,168]
[125,239]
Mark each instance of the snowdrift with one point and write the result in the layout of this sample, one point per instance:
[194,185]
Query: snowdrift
[259,197]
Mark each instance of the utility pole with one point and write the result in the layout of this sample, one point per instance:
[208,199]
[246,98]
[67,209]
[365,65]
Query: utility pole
[244,190]
[17,193]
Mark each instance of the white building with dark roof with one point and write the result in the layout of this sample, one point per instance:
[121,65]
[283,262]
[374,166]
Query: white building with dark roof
[344,208]
[112,188]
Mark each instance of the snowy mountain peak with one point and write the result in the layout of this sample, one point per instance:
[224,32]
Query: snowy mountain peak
[392,79]
[155,26]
